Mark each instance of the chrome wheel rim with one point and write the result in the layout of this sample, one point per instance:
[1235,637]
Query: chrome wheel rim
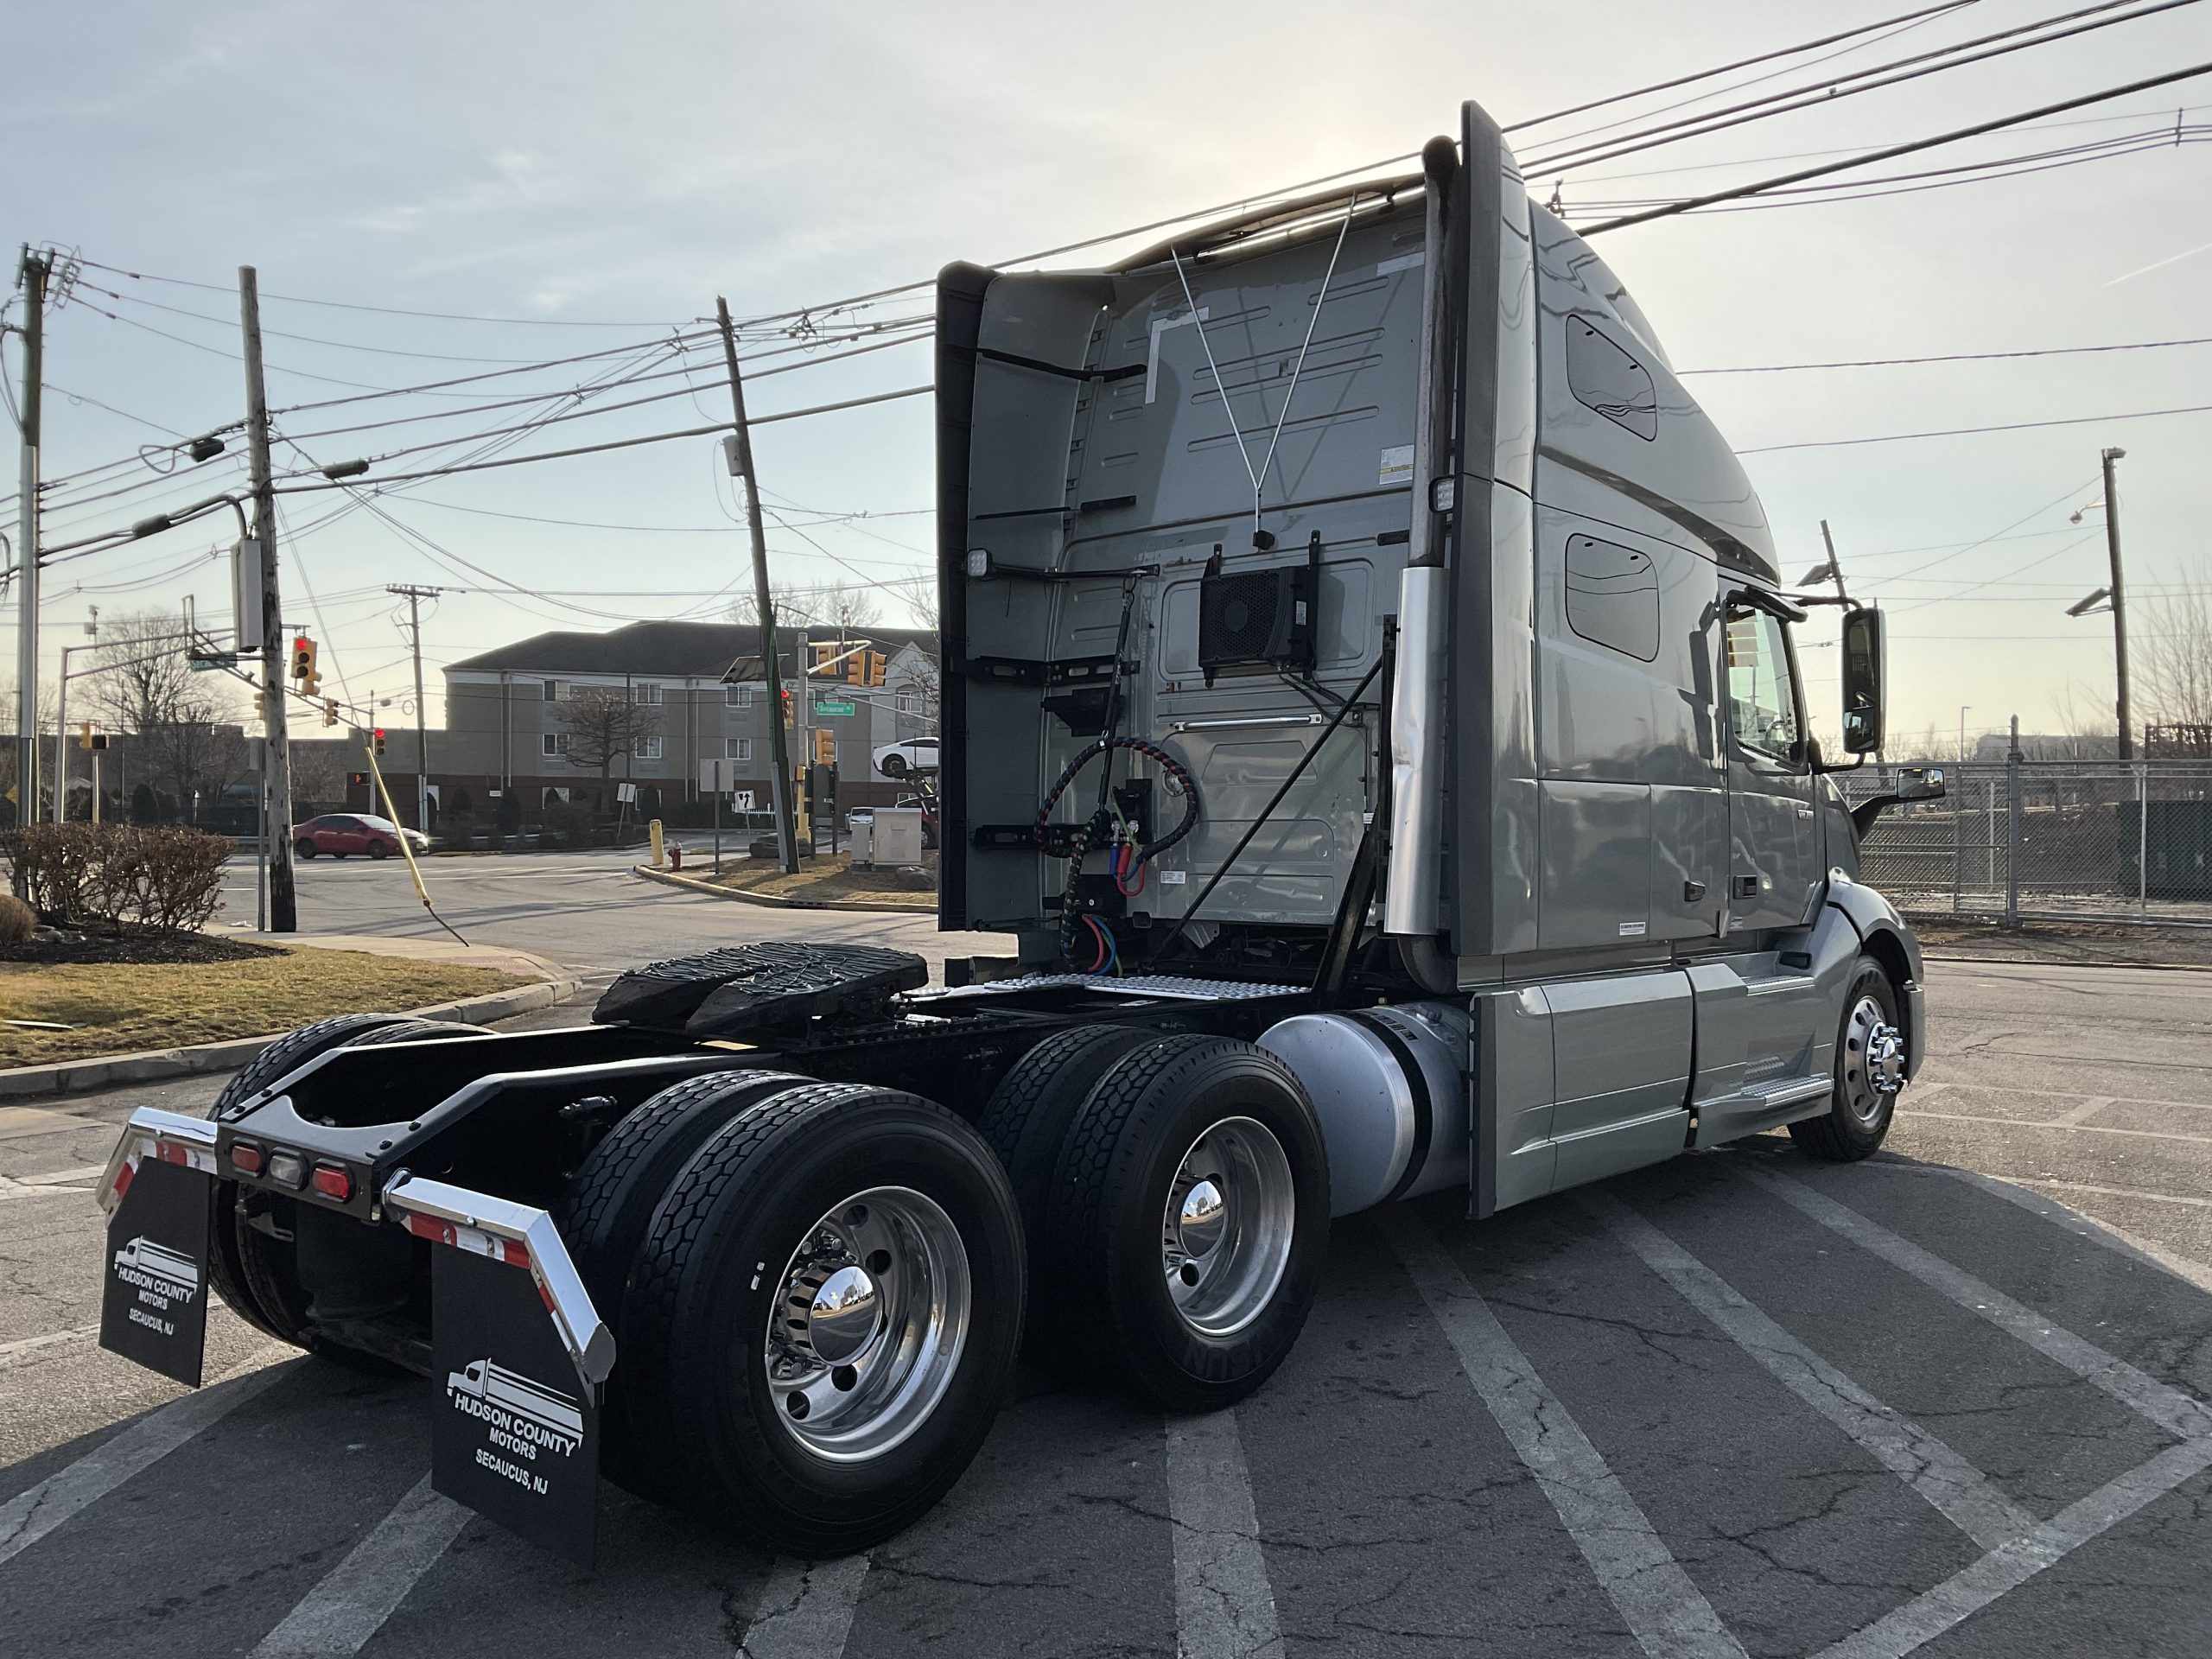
[868,1323]
[1225,1235]
[1872,1060]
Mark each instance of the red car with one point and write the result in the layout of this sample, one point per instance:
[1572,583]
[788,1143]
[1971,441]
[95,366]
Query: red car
[340,833]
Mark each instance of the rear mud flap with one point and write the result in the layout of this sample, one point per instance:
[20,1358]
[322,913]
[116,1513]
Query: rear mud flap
[517,1357]
[154,1305]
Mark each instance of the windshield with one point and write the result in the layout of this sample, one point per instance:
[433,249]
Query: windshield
[384,824]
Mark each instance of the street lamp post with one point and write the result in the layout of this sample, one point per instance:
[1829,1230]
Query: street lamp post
[2113,598]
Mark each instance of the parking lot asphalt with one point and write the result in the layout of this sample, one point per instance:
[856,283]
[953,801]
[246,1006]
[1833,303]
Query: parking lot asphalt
[1736,1404]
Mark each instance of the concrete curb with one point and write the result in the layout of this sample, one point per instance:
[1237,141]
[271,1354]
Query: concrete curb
[1970,960]
[150,1066]
[670,879]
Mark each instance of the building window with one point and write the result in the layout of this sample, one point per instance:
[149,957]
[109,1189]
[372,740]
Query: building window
[907,702]
[738,696]
[649,749]
[738,748]
[553,745]
[648,694]
[552,692]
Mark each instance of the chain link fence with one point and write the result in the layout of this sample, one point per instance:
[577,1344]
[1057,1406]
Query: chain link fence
[2048,840]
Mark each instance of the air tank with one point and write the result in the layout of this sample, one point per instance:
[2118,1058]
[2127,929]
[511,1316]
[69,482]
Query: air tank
[1390,1087]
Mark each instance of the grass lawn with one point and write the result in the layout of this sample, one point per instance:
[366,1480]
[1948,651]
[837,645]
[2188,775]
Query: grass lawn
[120,1008]
[831,879]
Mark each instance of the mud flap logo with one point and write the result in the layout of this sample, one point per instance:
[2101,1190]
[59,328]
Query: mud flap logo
[516,1436]
[154,1307]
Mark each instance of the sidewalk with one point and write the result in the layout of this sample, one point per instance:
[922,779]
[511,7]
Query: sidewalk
[551,983]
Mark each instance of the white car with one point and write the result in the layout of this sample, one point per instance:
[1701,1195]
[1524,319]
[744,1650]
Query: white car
[907,758]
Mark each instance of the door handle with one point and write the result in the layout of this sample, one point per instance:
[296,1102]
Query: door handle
[1692,891]
[1745,887]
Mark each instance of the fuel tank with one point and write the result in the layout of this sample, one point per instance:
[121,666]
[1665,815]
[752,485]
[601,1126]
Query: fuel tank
[1390,1087]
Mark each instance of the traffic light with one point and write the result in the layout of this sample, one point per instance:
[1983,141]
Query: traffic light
[303,658]
[260,704]
[787,705]
[84,735]
[878,665]
[856,669]
[825,657]
[825,746]
[330,711]
[377,744]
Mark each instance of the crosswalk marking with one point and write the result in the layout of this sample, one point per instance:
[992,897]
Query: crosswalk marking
[351,1602]
[1957,1491]
[1224,1607]
[29,1516]
[2176,1413]
[1668,1615]
[805,1609]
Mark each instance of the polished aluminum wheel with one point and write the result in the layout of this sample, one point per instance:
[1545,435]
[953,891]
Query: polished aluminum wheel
[868,1326]
[1226,1234]
[1872,1060]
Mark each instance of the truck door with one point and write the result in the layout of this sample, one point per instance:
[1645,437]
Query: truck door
[1774,847]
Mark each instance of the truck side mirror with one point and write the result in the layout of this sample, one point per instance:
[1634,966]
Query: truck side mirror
[1863,681]
[1920,784]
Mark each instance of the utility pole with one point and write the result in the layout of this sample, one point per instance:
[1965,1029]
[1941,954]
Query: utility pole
[276,763]
[2119,604]
[1835,570]
[35,270]
[780,779]
[415,596]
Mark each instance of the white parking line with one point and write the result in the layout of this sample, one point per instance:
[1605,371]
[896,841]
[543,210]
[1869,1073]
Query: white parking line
[2176,1413]
[1668,1615]
[351,1602]
[21,1348]
[1224,1607]
[29,1516]
[805,1609]
[1972,1588]
[2070,1128]
[1961,1493]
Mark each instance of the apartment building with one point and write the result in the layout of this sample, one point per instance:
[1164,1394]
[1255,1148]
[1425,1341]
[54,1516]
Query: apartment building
[516,722]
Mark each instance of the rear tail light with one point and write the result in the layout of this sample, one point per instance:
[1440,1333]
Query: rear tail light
[245,1158]
[287,1169]
[332,1182]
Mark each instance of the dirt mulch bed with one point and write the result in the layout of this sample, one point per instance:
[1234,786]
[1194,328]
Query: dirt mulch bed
[134,944]
[113,1008]
[832,879]
[2115,944]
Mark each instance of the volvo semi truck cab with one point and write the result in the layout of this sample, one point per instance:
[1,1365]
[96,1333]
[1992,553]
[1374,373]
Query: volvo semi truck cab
[1371,708]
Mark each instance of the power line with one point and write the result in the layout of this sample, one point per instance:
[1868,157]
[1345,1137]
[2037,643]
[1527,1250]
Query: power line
[1907,149]
[1948,356]
[381,310]
[1968,431]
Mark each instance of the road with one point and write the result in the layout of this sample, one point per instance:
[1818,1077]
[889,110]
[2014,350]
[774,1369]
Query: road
[1739,1404]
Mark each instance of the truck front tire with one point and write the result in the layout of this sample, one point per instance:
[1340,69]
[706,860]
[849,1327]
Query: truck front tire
[1869,1073]
[823,1322]
[1188,1220]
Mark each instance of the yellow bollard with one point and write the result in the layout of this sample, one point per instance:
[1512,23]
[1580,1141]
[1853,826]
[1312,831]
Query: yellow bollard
[652,831]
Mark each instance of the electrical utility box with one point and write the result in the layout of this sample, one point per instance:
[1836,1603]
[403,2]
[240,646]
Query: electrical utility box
[898,835]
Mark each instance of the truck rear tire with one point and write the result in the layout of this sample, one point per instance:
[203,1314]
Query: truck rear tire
[824,1320]
[1189,1220]
[251,1271]
[1026,1121]
[1869,1073]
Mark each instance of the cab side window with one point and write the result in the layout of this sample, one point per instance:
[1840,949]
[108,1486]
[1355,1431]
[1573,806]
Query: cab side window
[1761,702]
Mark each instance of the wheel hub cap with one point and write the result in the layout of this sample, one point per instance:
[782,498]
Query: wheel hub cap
[869,1321]
[1872,1060]
[1225,1238]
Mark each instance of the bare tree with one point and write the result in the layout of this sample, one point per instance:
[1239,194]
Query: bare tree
[603,724]
[792,605]
[2079,736]
[187,722]
[45,719]
[2174,669]
[918,595]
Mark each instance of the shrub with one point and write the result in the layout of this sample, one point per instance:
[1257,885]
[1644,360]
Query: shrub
[18,920]
[105,875]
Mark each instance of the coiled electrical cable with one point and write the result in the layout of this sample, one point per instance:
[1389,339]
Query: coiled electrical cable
[1094,829]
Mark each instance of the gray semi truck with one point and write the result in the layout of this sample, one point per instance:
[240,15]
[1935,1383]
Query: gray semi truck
[1369,699]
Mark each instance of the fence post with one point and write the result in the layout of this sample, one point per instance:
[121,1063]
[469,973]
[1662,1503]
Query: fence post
[1958,846]
[2143,839]
[2012,829]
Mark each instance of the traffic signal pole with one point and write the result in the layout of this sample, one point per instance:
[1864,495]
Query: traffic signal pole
[277,772]
[780,779]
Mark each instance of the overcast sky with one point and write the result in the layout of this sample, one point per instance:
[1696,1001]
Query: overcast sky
[589,165]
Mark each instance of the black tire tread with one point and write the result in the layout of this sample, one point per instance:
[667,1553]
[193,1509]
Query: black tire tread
[1824,1137]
